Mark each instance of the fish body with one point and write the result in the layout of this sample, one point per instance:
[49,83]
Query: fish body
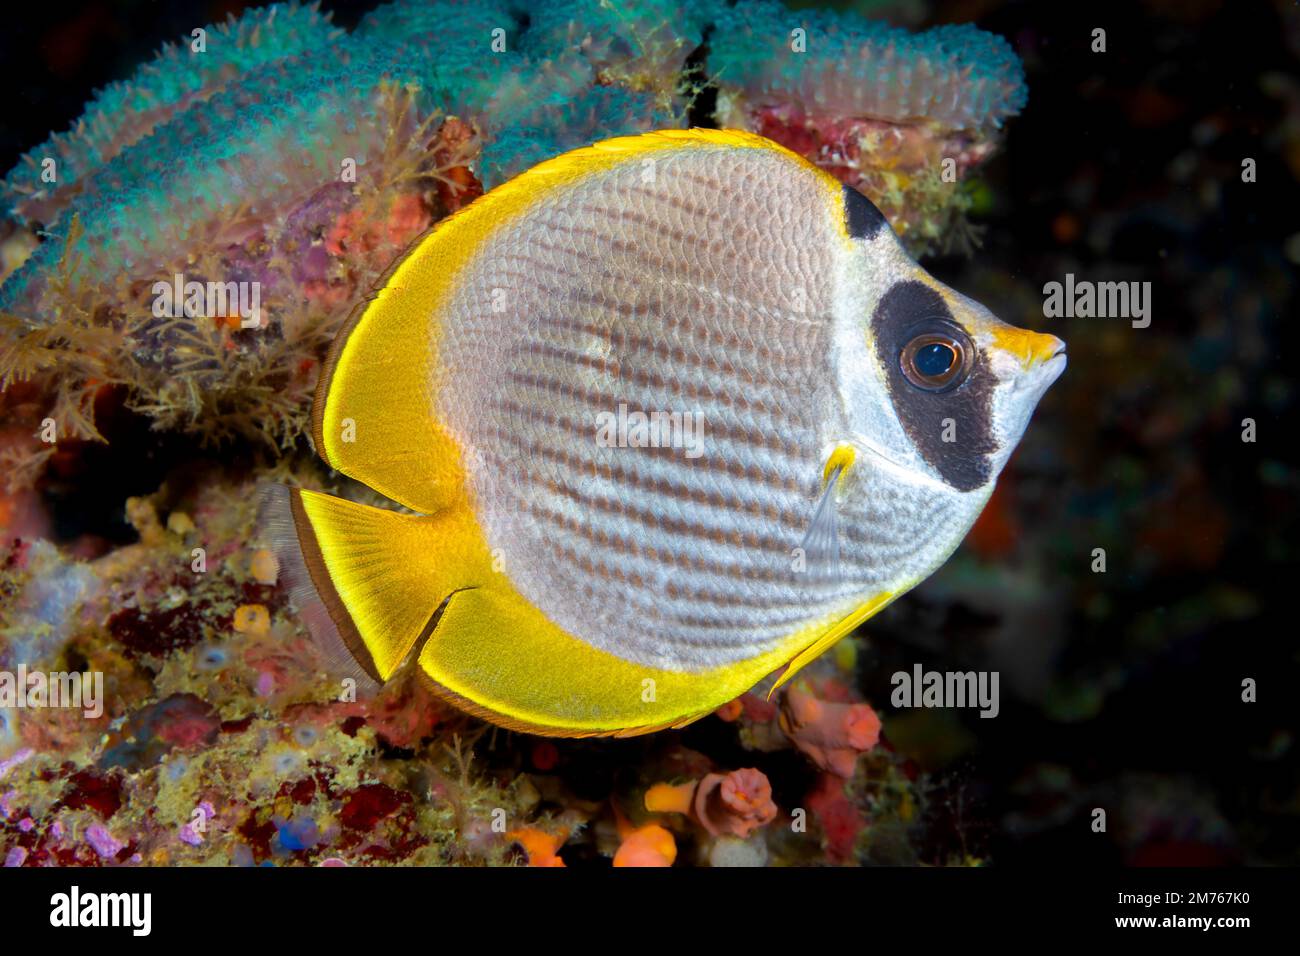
[673,411]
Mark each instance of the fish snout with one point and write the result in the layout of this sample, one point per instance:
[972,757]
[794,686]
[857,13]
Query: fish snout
[1042,360]
[1030,349]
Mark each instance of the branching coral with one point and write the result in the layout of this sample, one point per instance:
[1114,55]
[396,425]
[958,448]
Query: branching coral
[951,77]
[900,116]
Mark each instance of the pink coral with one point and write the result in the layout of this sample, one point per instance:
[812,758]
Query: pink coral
[735,803]
[831,734]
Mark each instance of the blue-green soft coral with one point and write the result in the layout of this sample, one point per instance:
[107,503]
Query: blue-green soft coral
[231,163]
[127,111]
[952,76]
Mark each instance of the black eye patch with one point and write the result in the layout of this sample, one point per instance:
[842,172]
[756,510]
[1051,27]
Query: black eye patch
[861,217]
[963,414]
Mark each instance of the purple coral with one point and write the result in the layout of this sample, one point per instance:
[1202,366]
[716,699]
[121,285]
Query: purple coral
[103,842]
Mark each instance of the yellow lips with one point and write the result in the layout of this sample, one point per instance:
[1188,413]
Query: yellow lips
[1031,348]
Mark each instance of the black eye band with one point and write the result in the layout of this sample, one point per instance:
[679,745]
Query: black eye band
[938,384]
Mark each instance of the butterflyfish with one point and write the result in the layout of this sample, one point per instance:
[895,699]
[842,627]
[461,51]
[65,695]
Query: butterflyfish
[664,415]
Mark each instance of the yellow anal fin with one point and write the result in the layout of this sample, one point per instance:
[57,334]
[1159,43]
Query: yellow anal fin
[830,637]
[399,590]
[380,575]
[496,656]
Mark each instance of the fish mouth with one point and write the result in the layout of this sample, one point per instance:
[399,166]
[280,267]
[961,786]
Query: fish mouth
[1055,365]
[1052,368]
[1041,375]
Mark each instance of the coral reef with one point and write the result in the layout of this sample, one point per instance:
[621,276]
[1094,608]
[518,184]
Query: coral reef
[218,740]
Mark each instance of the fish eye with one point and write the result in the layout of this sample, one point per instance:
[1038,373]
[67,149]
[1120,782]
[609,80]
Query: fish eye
[937,360]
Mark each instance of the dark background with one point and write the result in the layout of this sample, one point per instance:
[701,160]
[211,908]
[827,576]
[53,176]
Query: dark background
[1119,690]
